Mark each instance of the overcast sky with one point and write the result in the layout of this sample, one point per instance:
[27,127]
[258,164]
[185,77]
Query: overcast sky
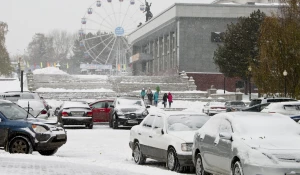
[27,17]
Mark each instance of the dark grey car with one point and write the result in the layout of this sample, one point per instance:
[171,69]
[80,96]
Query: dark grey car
[247,143]
[75,113]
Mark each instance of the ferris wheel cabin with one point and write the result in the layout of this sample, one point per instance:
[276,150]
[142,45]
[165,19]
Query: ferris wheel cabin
[98,3]
[109,1]
[142,7]
[90,11]
[132,2]
[83,21]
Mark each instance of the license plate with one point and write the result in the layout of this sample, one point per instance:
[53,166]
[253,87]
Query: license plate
[62,136]
[292,173]
[132,121]
[77,113]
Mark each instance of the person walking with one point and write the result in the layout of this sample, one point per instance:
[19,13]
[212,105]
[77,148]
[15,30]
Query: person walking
[165,99]
[170,99]
[150,96]
[143,93]
[156,95]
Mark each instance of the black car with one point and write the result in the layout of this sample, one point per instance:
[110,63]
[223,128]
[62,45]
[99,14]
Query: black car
[127,111]
[256,108]
[21,133]
[75,113]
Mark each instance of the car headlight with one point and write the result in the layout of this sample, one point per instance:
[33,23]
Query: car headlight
[186,146]
[120,113]
[39,129]
[145,113]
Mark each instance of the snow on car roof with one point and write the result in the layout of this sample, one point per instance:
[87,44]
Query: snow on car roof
[75,104]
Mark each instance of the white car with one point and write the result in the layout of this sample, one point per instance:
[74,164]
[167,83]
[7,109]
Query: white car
[35,107]
[166,136]
[247,143]
[212,108]
[286,108]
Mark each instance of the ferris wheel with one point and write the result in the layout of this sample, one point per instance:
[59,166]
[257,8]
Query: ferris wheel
[105,28]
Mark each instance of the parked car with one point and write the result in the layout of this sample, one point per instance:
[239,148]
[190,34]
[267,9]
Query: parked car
[234,105]
[15,96]
[35,107]
[296,118]
[75,113]
[166,137]
[286,108]
[101,110]
[127,111]
[255,108]
[20,133]
[256,101]
[212,108]
[247,143]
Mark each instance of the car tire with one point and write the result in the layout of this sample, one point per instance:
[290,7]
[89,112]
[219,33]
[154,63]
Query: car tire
[237,168]
[90,126]
[115,122]
[172,161]
[110,123]
[48,152]
[138,156]
[20,145]
[199,166]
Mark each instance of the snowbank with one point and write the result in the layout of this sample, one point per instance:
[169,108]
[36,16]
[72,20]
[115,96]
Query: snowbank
[49,70]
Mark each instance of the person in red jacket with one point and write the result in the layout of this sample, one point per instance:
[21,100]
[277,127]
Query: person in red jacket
[170,99]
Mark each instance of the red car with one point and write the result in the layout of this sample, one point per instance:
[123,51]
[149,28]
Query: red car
[101,110]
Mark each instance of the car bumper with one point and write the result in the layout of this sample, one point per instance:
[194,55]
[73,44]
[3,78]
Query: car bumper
[54,141]
[185,160]
[129,122]
[260,170]
[216,111]
[77,120]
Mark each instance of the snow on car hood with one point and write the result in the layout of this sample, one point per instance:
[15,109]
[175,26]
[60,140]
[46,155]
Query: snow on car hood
[126,109]
[187,136]
[275,142]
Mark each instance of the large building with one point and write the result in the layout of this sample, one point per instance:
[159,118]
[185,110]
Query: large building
[184,37]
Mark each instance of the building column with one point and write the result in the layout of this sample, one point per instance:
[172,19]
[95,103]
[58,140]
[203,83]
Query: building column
[158,54]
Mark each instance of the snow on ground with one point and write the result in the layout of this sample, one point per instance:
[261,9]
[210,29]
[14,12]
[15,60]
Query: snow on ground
[11,85]
[104,77]
[72,90]
[49,70]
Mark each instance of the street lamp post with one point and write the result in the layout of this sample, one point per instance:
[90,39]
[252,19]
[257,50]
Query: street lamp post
[285,74]
[22,67]
[249,69]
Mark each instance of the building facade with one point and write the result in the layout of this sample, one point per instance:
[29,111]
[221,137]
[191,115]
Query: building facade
[184,37]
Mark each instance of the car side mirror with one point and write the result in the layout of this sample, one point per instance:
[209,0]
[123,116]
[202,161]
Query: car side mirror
[112,106]
[106,105]
[225,135]
[159,131]
[148,106]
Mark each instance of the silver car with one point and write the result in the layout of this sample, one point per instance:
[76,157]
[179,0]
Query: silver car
[247,143]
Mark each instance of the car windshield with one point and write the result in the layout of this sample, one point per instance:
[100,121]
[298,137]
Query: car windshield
[266,126]
[186,122]
[217,104]
[130,102]
[237,103]
[13,111]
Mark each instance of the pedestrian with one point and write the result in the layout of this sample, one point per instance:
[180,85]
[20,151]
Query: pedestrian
[143,93]
[150,96]
[165,99]
[170,99]
[156,95]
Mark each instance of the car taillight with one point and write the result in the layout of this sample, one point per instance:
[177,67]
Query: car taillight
[89,114]
[64,114]
[44,112]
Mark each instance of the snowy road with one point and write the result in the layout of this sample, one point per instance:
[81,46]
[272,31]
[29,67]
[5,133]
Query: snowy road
[99,151]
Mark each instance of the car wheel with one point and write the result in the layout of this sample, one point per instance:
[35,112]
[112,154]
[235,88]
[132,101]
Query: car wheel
[115,122]
[138,156]
[20,145]
[199,166]
[237,169]
[172,161]
[48,152]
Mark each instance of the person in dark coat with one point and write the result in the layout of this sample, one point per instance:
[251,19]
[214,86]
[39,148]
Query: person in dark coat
[165,99]
[150,96]
[170,99]
[143,93]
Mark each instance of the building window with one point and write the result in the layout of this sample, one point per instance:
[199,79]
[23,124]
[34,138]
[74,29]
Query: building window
[217,36]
